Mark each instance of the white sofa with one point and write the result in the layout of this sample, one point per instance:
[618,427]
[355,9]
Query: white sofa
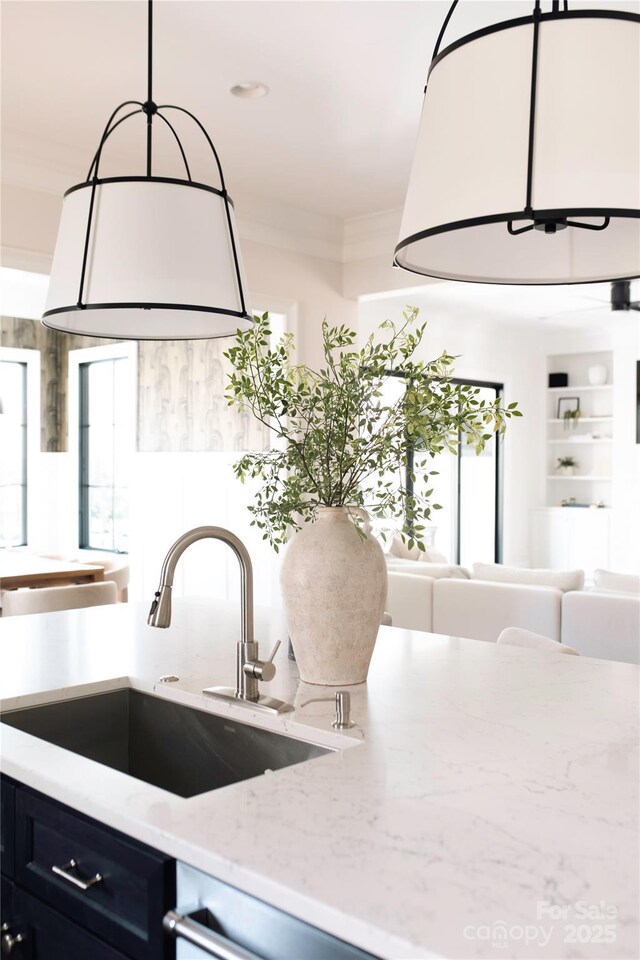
[597,624]
[481,610]
[410,600]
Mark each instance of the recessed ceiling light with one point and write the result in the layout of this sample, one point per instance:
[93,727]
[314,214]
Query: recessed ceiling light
[250,90]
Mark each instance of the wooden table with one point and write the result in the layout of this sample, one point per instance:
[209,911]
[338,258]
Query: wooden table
[19,569]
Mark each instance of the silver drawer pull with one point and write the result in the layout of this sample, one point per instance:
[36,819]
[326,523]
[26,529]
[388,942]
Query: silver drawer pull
[78,882]
[184,926]
[8,941]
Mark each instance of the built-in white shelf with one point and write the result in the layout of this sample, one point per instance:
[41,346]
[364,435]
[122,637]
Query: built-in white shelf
[575,442]
[588,386]
[584,420]
[577,476]
[589,441]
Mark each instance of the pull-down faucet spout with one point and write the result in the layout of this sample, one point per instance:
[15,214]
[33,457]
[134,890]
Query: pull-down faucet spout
[249,669]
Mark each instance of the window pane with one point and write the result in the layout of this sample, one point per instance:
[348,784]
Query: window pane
[121,392]
[104,453]
[121,520]
[465,489]
[11,516]
[478,498]
[100,408]
[390,392]
[442,522]
[12,377]
[13,453]
[100,456]
[100,517]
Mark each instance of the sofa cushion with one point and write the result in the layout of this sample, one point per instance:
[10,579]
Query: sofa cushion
[607,580]
[433,570]
[560,579]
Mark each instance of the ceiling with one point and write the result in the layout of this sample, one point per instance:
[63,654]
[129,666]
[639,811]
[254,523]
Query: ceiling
[334,139]
[578,308]
[334,136]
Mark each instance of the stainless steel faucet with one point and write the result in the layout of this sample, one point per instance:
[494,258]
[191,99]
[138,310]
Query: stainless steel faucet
[249,668]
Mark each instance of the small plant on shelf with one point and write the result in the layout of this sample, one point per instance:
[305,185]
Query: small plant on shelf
[566,466]
[571,418]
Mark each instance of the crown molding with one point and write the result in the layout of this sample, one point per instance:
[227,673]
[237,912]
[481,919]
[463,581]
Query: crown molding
[29,260]
[260,220]
[288,228]
[371,236]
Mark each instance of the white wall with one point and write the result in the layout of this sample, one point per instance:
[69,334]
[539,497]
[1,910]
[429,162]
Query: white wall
[510,354]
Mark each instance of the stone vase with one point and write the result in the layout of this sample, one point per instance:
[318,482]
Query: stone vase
[334,585]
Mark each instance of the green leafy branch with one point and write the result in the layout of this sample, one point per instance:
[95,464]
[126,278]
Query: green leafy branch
[339,441]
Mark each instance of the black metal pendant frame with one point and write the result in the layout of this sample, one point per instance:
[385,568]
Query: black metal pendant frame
[150,109]
[548,221]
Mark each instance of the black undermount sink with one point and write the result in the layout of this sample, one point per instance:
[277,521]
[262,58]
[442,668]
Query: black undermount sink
[181,749]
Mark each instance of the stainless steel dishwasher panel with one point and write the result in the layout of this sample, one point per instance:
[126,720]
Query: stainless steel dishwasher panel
[214,919]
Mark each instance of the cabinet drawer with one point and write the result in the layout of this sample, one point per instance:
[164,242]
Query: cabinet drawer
[132,884]
[49,936]
[7,832]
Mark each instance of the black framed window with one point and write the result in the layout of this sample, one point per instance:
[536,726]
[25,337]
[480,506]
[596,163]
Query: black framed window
[104,455]
[468,487]
[479,494]
[13,453]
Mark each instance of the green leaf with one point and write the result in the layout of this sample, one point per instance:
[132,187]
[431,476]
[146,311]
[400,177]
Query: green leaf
[340,439]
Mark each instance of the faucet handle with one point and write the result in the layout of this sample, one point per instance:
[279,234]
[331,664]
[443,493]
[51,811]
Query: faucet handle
[342,700]
[262,669]
[273,652]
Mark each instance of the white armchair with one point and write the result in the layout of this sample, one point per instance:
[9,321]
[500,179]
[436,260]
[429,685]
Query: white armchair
[603,625]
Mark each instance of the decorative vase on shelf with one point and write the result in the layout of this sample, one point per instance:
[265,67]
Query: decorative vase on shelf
[597,375]
[565,471]
[334,585]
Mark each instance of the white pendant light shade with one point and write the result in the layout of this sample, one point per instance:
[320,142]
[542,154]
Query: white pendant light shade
[148,257]
[527,166]
[160,262]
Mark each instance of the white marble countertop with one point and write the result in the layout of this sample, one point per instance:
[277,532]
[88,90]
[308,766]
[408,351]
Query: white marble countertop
[486,804]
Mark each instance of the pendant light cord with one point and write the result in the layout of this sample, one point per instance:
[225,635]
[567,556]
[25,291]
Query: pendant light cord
[150,52]
[149,107]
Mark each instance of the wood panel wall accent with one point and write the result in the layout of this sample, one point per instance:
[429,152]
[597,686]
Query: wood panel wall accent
[54,350]
[181,404]
[181,384]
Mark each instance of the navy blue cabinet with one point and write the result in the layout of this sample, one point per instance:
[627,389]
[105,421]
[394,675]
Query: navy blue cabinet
[80,889]
[48,935]
[7,832]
